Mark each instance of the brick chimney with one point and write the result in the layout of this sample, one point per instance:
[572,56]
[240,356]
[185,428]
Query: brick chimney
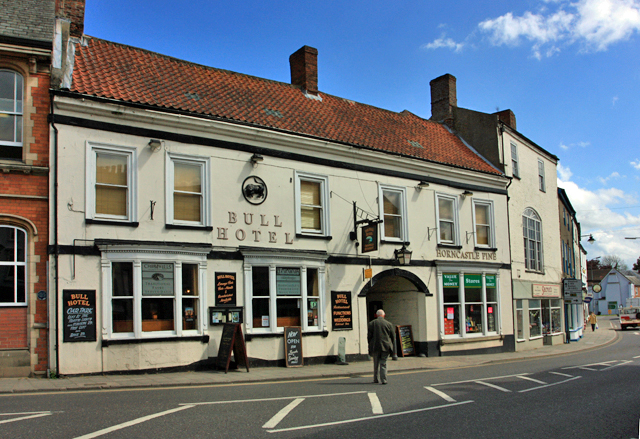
[507,117]
[72,10]
[443,98]
[304,69]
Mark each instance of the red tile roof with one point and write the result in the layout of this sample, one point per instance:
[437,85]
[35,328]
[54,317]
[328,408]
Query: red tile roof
[109,70]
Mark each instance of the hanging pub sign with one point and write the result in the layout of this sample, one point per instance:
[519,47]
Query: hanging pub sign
[79,312]
[341,315]
[369,238]
[225,289]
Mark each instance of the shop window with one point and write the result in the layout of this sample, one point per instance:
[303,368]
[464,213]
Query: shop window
[551,317]
[285,296]
[532,233]
[393,211]
[312,204]
[144,301]
[483,220]
[514,160]
[447,213]
[519,320]
[13,266]
[187,190]
[111,183]
[11,114]
[535,319]
[474,302]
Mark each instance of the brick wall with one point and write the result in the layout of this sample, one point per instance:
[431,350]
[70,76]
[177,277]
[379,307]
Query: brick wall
[13,322]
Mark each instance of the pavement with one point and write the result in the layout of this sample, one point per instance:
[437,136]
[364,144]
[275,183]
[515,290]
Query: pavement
[605,335]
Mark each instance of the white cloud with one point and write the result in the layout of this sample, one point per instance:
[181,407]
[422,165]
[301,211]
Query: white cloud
[594,24]
[571,145]
[612,176]
[444,43]
[636,164]
[564,174]
[614,101]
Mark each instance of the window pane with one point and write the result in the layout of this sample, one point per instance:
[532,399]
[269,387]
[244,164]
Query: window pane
[482,216]
[7,283]
[7,128]
[7,90]
[491,295]
[556,322]
[21,277]
[186,207]
[18,125]
[310,218]
[445,209]
[189,313]
[190,279]
[472,294]
[534,323]
[482,235]
[474,318]
[111,200]
[520,324]
[391,203]
[446,231]
[288,312]
[492,311]
[312,282]
[451,319]
[7,244]
[157,314]
[111,169]
[310,193]
[260,277]
[187,178]
[392,226]
[189,301]
[122,279]
[450,295]
[260,309]
[122,314]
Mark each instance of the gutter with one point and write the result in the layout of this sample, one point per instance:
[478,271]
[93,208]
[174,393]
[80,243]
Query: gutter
[54,159]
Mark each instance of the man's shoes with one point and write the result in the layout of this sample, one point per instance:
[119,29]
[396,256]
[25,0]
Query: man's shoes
[384,382]
[375,382]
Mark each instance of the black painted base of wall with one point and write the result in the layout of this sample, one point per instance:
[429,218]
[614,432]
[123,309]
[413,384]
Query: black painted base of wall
[308,361]
[508,345]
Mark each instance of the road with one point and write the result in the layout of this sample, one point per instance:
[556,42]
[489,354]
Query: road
[590,394]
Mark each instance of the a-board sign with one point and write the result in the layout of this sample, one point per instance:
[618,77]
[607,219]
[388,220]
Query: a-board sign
[293,346]
[225,289]
[79,314]
[405,339]
[341,315]
[232,340]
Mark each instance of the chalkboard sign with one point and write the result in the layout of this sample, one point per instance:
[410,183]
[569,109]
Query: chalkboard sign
[405,339]
[79,315]
[293,346]
[341,316]
[225,289]
[232,340]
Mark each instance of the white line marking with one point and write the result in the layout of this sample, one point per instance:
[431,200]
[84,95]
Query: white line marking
[531,379]
[549,385]
[587,368]
[376,407]
[370,418]
[483,379]
[493,386]
[440,394]
[272,399]
[637,356]
[616,365]
[32,415]
[271,423]
[133,422]
[562,374]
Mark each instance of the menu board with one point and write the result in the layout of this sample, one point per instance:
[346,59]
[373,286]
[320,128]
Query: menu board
[288,281]
[225,289]
[231,340]
[293,346]
[79,313]
[405,337]
[341,315]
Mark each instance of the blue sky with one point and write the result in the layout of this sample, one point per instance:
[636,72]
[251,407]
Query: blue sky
[570,71]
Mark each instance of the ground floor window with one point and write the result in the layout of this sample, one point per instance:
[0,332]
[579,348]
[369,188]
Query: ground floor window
[535,319]
[470,304]
[519,320]
[282,295]
[151,297]
[13,266]
[551,316]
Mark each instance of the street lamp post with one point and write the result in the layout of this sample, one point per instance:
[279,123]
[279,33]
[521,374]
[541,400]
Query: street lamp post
[591,239]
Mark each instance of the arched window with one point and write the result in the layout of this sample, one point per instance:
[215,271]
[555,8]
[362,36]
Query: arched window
[532,232]
[11,109]
[13,266]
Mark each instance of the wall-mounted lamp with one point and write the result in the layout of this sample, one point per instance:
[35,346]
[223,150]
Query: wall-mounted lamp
[403,255]
[155,145]
[255,159]
[591,239]
[467,194]
[422,185]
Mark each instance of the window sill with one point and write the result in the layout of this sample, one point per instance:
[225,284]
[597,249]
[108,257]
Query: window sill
[119,341]
[451,246]
[486,249]
[534,271]
[395,242]
[185,227]
[537,337]
[111,222]
[479,338]
[310,236]
[13,305]
[250,336]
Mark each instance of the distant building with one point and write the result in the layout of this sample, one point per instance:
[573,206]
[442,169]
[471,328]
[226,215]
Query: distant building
[617,288]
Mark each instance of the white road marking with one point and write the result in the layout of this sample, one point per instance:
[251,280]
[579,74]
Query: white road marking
[272,399]
[638,356]
[590,366]
[483,379]
[502,389]
[440,394]
[271,423]
[370,418]
[549,385]
[31,415]
[616,365]
[531,379]
[132,422]
[562,374]
[376,407]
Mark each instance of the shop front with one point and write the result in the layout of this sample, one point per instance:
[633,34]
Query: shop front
[538,315]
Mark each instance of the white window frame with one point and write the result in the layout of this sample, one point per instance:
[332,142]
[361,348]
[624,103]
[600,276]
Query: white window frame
[404,222]
[325,214]
[519,308]
[515,167]
[17,112]
[15,264]
[456,219]
[302,261]
[205,177]
[132,181]
[137,258]
[490,218]
[530,214]
[541,179]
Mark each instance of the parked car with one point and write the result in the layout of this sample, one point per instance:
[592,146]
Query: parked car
[629,318]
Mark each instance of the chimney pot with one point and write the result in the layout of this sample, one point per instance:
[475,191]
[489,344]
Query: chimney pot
[443,98]
[304,69]
[507,117]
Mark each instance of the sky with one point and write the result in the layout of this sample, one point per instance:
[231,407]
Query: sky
[569,70]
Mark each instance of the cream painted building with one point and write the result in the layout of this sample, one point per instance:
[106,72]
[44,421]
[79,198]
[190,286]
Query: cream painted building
[188,197]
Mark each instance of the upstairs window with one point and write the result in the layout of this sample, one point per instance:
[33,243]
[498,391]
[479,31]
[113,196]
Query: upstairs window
[393,211]
[541,175]
[11,111]
[532,232]
[13,266]
[514,160]
[312,204]
[483,220]
[447,212]
[188,187]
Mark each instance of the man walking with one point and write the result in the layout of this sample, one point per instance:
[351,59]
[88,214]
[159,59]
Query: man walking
[380,336]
